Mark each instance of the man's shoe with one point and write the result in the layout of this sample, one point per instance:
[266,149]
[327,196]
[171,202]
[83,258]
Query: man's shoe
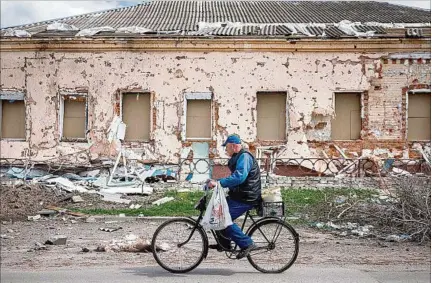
[245,252]
[218,247]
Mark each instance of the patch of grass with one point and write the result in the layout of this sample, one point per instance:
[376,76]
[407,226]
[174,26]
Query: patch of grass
[298,202]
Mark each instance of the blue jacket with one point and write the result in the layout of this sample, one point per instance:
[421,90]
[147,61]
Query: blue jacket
[243,166]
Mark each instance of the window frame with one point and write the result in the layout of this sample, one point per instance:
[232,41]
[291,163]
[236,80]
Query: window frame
[17,96]
[151,113]
[286,115]
[414,91]
[362,111]
[62,96]
[197,96]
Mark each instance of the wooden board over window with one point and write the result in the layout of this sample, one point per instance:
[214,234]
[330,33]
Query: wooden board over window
[271,114]
[198,119]
[136,116]
[13,119]
[419,116]
[74,117]
[347,123]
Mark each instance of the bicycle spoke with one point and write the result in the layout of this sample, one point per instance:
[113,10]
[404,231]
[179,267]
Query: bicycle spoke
[278,254]
[177,258]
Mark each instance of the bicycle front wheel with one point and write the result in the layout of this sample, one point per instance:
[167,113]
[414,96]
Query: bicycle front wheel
[173,251]
[277,246]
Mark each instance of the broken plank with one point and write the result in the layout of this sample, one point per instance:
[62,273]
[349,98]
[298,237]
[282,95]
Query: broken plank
[58,209]
[340,151]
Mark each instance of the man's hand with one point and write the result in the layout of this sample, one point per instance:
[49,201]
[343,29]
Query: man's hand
[211,183]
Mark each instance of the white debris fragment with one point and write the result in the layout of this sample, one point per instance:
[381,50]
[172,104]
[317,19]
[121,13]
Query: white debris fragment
[34,218]
[114,198]
[92,173]
[93,31]
[398,171]
[134,29]
[163,200]
[56,26]
[90,219]
[16,33]
[127,190]
[135,206]
[57,240]
[77,199]
[348,28]
[66,184]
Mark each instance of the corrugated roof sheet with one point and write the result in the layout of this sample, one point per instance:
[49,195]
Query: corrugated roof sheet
[185,16]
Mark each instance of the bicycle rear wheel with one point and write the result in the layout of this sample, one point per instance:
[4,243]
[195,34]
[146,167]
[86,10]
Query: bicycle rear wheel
[170,249]
[277,246]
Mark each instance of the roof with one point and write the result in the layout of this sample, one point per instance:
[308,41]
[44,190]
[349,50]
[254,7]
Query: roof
[216,17]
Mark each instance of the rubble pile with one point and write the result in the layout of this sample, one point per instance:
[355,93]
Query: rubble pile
[27,192]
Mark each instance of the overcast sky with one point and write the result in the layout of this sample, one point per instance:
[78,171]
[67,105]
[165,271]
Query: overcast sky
[23,12]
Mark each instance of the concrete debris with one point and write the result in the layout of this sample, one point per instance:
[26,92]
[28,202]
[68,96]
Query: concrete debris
[114,198]
[424,151]
[90,219]
[66,184]
[110,229]
[135,206]
[122,215]
[348,228]
[4,236]
[77,199]
[57,240]
[85,250]
[39,247]
[163,200]
[397,238]
[34,218]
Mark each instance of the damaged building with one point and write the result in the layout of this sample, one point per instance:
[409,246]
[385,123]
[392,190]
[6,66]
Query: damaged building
[305,84]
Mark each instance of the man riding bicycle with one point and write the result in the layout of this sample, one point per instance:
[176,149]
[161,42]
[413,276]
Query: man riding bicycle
[244,194]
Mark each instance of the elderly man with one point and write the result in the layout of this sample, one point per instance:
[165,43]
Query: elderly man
[244,185]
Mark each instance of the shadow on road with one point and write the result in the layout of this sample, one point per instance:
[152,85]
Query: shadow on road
[159,272]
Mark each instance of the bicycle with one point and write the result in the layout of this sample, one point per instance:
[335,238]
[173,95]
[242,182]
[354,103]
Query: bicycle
[179,245]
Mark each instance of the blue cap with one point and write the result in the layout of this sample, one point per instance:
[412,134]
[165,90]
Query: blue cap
[232,139]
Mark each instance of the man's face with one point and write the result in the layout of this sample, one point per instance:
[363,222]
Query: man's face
[229,149]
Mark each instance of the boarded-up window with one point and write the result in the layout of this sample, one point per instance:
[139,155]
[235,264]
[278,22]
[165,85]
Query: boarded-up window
[74,117]
[271,116]
[198,119]
[136,116]
[419,116]
[347,123]
[12,119]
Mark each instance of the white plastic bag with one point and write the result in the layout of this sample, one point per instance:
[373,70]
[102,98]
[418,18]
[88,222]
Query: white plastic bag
[217,216]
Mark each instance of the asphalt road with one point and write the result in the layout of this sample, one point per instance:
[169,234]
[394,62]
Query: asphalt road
[223,273]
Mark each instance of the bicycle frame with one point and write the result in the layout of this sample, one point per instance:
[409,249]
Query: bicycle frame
[201,206]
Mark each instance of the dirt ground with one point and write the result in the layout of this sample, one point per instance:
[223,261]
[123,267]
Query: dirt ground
[19,238]
[22,200]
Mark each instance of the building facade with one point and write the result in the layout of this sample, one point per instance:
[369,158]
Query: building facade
[181,95]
